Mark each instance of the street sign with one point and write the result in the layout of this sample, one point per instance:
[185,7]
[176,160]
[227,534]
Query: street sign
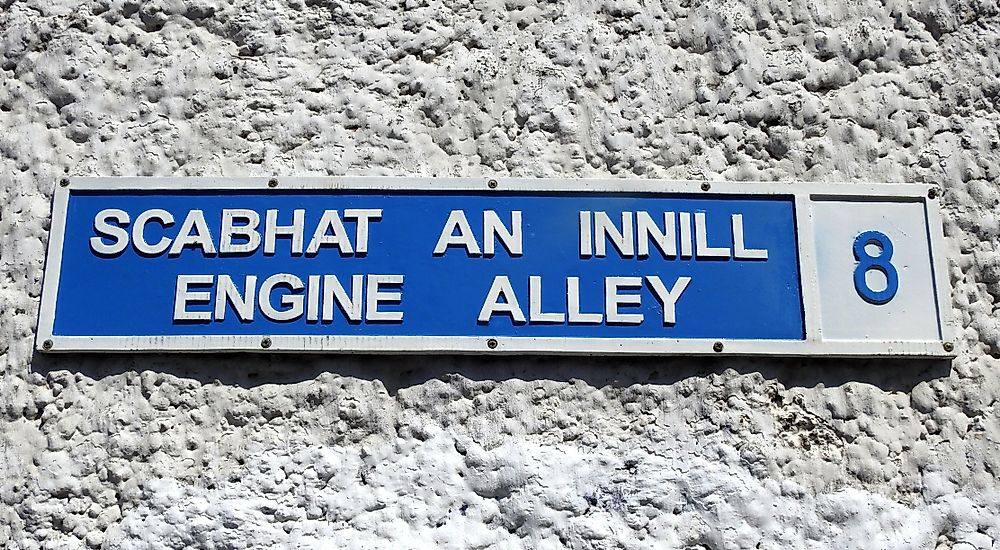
[436,265]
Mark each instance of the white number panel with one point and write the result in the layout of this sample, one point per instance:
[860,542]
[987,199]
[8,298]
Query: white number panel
[875,270]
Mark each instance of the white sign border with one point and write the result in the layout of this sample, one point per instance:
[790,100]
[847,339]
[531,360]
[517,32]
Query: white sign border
[803,193]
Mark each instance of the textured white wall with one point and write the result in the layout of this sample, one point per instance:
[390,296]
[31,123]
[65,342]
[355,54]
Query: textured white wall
[219,451]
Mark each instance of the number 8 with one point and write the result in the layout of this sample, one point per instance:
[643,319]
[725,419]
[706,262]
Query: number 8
[867,262]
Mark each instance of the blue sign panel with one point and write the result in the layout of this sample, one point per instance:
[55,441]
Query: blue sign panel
[417,263]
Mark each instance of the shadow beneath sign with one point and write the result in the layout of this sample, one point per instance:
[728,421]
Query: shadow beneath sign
[403,371]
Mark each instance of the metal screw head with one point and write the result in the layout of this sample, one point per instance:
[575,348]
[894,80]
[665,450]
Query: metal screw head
[718,347]
[493,184]
[47,344]
[491,343]
[265,342]
[932,193]
[948,346]
[64,182]
[706,186]
[273,182]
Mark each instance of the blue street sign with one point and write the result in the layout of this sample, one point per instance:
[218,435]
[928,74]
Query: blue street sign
[428,265]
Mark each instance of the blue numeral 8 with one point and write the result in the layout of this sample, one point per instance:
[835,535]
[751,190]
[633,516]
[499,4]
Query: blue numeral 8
[880,263]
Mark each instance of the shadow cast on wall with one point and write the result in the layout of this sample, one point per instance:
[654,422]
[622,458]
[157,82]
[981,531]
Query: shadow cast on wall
[403,371]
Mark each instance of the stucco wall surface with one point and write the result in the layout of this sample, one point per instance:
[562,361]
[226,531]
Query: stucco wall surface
[229,451]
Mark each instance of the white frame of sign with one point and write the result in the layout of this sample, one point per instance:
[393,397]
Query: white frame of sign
[805,195]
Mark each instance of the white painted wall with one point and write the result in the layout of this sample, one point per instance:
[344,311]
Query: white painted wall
[147,451]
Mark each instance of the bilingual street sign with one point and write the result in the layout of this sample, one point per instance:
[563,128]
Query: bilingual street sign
[478,265]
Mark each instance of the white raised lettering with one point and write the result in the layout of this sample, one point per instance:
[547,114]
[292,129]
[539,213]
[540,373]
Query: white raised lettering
[465,237]
[200,238]
[647,229]
[272,231]
[166,219]
[183,297]
[375,296]
[687,248]
[501,288]
[668,298]
[291,302]
[494,229]
[334,291]
[535,304]
[702,250]
[613,300]
[312,298]
[605,229]
[330,221]
[586,235]
[573,305]
[364,216]
[226,291]
[741,252]
[247,229]
[107,230]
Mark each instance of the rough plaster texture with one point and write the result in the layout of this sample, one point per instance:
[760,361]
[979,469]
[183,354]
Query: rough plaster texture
[145,451]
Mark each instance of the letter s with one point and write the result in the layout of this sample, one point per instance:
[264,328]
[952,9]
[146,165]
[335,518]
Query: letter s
[107,230]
